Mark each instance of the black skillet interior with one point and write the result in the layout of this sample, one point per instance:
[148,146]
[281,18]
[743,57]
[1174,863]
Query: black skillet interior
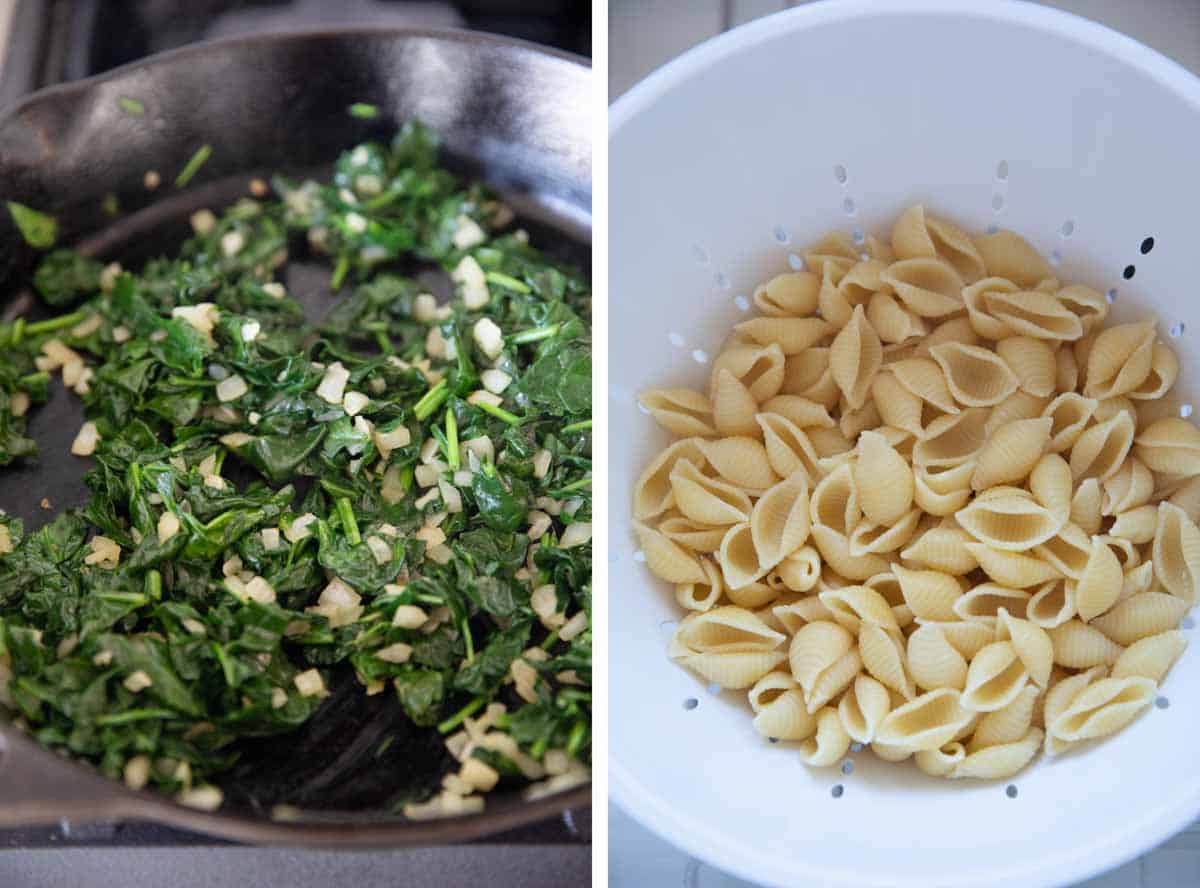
[507,113]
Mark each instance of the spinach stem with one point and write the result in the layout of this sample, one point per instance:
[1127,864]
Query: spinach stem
[153,585]
[339,273]
[384,343]
[496,277]
[457,719]
[18,331]
[452,455]
[575,740]
[429,599]
[550,640]
[466,631]
[499,413]
[577,427]
[349,524]
[193,166]
[133,715]
[537,334]
[33,379]
[575,485]
[432,400]
[539,747]
[51,324]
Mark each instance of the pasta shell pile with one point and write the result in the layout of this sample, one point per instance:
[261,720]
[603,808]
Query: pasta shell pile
[930,503]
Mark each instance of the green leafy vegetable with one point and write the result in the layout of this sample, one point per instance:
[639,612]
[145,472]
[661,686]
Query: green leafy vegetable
[39,229]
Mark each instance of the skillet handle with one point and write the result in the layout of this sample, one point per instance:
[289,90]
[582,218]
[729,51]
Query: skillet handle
[38,786]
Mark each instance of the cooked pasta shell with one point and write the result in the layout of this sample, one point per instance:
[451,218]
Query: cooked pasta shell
[1164,370]
[1141,616]
[828,443]
[800,570]
[741,461]
[863,708]
[1012,569]
[933,662]
[793,294]
[1136,525]
[1120,358]
[930,594]
[1017,406]
[834,548]
[779,523]
[759,368]
[701,596]
[1151,657]
[923,376]
[733,406]
[1008,518]
[943,491]
[726,630]
[667,559]
[738,557]
[883,479]
[1103,707]
[855,288]
[785,717]
[1100,450]
[707,500]
[805,370]
[753,595]
[855,357]
[1068,551]
[1187,497]
[795,614]
[1107,408]
[792,335]
[927,722]
[1100,583]
[788,448]
[827,747]
[731,670]
[917,235]
[978,314]
[1008,255]
[994,678]
[833,255]
[1129,487]
[1127,553]
[956,329]
[1033,362]
[1059,697]
[1081,348]
[940,762]
[891,320]
[1087,304]
[1007,724]
[834,502]
[1086,504]
[1033,313]
[680,411]
[1051,485]
[1002,760]
[652,492]
[689,534]
[887,753]
[769,688]
[898,407]
[824,660]
[1067,370]
[883,656]
[1170,446]
[1176,553]
[1069,414]
[1137,580]
[853,421]
[976,376]
[942,549]
[966,638]
[801,412]
[1031,642]
[1080,646]
[852,606]
[868,538]
[951,440]
[1010,454]
[929,287]
[982,603]
[1053,604]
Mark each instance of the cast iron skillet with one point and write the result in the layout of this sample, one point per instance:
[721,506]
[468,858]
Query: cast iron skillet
[508,112]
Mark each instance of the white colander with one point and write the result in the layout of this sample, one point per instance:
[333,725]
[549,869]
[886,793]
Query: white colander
[723,165]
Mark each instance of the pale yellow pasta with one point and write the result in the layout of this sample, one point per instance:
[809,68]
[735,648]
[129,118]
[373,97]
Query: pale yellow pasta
[927,722]
[1078,645]
[1119,359]
[931,503]
[830,742]
[1102,708]
[1008,255]
[793,294]
[976,376]
[1151,657]
[933,662]
[1070,413]
[928,287]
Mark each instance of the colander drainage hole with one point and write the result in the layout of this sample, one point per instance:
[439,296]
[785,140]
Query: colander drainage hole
[847,767]
[690,703]
[1010,791]
[839,174]
[700,356]
[1068,228]
[773,739]
[675,339]
[1111,295]
[700,254]
[1188,623]
[1129,272]
[1147,245]
[859,237]
[856,747]
[742,303]
[781,234]
[848,206]
[837,791]
[1055,258]
[722,280]
[992,229]
[1185,410]
[796,263]
[1002,170]
[1177,329]
[639,556]
[714,688]
[997,202]
[1162,702]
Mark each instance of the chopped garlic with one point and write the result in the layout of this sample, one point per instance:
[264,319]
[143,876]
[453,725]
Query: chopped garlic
[103,658]
[548,505]
[427,475]
[424,308]
[168,526]
[108,282]
[260,590]
[232,243]
[6,544]
[394,653]
[279,698]
[136,772]
[121,334]
[380,550]
[368,184]
[488,337]
[524,679]
[544,602]
[298,529]
[216,482]
[386,442]
[432,536]
[333,384]
[495,381]
[429,450]
[270,538]
[274,289]
[574,626]
[203,221]
[451,497]
[203,317]
[541,463]
[355,222]
[467,234]
[432,494]
[194,626]
[137,681]
[310,684]
[232,566]
[18,403]
[479,775]
[482,447]
[472,284]
[437,346]
[203,798]
[231,388]
[106,553]
[57,354]
[250,330]
[409,616]
[87,326]
[338,603]
[539,523]
[445,804]
[354,403]
[576,535]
